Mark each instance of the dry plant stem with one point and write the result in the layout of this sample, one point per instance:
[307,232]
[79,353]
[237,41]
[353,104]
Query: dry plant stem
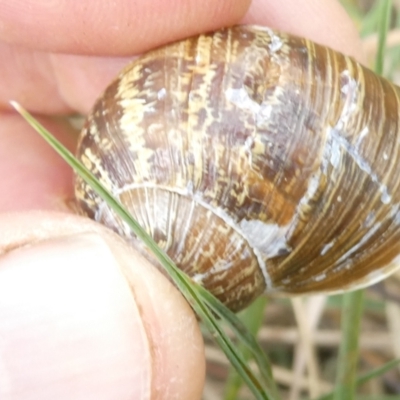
[393,321]
[306,327]
[285,377]
[311,311]
[211,392]
[282,376]
[326,338]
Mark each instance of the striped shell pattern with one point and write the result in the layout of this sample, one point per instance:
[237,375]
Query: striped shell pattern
[257,160]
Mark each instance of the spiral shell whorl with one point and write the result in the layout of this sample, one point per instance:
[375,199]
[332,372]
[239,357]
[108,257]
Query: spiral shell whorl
[257,160]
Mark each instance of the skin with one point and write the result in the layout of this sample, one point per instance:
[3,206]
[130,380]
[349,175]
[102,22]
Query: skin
[81,314]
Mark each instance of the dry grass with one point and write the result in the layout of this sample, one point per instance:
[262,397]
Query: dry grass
[302,338]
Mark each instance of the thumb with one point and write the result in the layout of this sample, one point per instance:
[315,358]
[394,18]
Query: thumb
[84,316]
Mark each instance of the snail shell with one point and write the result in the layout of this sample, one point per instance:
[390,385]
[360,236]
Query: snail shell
[257,160]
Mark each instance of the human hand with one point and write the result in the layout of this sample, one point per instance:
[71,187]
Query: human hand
[81,314]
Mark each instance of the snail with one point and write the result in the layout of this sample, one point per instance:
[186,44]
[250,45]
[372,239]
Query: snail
[259,161]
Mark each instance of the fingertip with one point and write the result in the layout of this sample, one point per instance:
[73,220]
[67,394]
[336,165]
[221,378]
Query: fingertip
[172,330]
[69,318]
[65,321]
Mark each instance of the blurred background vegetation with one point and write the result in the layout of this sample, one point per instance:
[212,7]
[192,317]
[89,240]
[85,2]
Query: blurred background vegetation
[366,15]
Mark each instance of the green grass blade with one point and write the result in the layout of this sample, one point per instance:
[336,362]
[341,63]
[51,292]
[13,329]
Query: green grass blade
[252,318]
[245,337]
[384,23]
[202,301]
[348,352]
[353,10]
[375,373]
[370,20]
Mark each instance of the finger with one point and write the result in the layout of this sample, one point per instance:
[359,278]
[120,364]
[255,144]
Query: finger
[74,326]
[111,27]
[33,175]
[63,83]
[325,22]
[53,83]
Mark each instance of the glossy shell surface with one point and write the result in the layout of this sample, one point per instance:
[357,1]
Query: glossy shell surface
[257,160]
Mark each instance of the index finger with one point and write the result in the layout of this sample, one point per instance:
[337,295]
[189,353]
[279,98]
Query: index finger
[103,27]
[72,82]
